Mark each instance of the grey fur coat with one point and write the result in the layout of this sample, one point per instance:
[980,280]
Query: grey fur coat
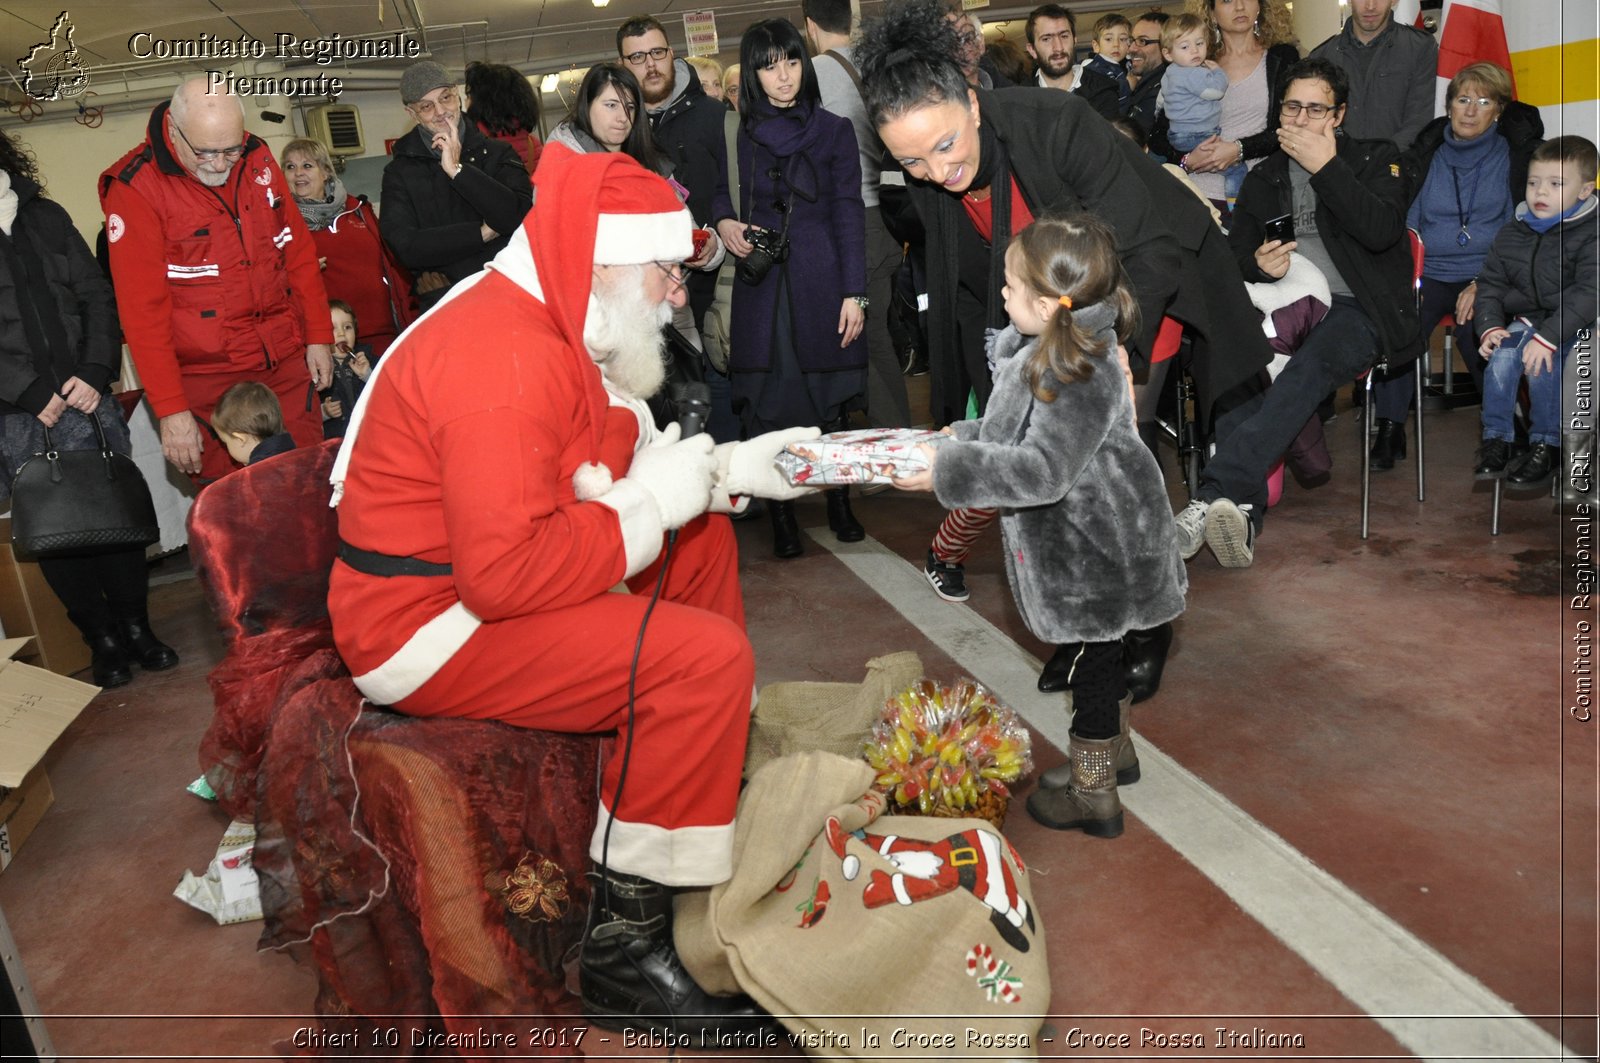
[1091,550]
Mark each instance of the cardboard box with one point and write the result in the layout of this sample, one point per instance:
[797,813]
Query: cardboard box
[29,607]
[35,707]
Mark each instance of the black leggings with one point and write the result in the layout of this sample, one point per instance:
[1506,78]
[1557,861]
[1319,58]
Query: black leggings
[1098,683]
[99,588]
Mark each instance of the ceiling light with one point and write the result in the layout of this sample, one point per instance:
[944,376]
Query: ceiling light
[601,3]
[550,83]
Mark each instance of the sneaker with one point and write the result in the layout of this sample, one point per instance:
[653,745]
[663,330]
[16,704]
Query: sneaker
[1230,534]
[1191,522]
[948,581]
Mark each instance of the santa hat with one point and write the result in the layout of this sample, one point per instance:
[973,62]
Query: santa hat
[603,209]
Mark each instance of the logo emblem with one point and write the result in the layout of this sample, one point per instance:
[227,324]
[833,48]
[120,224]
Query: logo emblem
[115,227]
[52,69]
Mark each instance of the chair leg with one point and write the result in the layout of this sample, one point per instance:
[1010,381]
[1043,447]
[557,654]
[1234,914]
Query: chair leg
[1494,522]
[1366,459]
[1422,372]
[1449,360]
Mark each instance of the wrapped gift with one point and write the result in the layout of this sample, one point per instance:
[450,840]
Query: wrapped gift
[862,456]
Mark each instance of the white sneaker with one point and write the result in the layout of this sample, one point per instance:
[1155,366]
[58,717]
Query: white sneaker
[1230,534]
[1191,522]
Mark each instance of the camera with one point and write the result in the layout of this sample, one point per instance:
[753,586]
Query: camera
[767,249]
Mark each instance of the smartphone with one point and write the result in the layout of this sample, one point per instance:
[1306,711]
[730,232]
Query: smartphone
[1281,228]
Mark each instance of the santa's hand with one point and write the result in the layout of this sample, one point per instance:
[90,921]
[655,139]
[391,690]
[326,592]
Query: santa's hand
[677,474]
[747,468]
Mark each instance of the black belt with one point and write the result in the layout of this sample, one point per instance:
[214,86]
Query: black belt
[375,564]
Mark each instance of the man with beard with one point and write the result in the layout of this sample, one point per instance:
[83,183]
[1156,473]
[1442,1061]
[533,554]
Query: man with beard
[215,274]
[451,196]
[1145,69]
[1391,67]
[1052,36]
[501,476]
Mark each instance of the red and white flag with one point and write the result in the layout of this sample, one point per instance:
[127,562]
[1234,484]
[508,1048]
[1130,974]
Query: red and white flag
[1408,13]
[1471,31]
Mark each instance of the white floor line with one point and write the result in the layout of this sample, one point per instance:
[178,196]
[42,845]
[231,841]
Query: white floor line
[1423,1000]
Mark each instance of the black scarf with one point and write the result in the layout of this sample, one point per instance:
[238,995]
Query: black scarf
[980,267]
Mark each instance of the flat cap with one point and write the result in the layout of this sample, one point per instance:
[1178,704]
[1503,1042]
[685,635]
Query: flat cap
[421,79]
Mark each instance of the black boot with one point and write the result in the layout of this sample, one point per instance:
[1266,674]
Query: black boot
[1058,669]
[785,532]
[1535,467]
[1492,458]
[1389,444]
[152,654]
[630,975]
[843,522]
[108,661]
[1144,655]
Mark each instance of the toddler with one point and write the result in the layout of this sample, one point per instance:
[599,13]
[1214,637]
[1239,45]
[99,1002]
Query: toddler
[249,422]
[1191,92]
[1091,549]
[1536,294]
[352,365]
[1112,35]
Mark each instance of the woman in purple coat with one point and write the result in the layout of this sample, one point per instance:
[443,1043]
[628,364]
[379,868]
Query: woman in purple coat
[799,231]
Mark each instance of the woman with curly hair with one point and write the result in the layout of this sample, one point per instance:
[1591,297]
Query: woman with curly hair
[980,166]
[503,104]
[59,352]
[1252,41]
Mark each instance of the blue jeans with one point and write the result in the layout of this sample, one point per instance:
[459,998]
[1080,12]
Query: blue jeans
[1500,379]
[1394,393]
[1255,434]
[1232,177]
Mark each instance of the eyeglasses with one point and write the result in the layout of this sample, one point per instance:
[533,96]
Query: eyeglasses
[209,154]
[426,109]
[675,274]
[1292,108]
[638,58]
[1467,101]
[1145,42]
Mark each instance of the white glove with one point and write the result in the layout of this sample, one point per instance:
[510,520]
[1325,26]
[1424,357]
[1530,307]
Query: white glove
[747,468]
[677,474]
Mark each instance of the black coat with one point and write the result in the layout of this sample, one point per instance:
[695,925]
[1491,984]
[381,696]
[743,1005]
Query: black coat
[1065,158]
[1140,106]
[432,221]
[57,315]
[1280,57]
[690,131]
[1520,124]
[1362,197]
[1099,91]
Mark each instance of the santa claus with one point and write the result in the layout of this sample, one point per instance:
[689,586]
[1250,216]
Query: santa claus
[501,477]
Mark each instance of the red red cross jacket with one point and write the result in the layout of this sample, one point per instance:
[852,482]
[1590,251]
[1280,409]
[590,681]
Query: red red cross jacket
[208,280]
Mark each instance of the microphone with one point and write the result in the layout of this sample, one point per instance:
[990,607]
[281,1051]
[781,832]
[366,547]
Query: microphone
[692,400]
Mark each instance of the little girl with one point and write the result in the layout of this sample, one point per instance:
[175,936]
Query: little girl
[352,365]
[1090,548]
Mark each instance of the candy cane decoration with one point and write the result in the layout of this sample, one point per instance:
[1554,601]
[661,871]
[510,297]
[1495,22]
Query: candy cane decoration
[994,976]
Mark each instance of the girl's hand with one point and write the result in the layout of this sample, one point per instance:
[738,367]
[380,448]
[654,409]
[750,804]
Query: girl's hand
[332,409]
[79,395]
[361,365]
[1537,359]
[851,320]
[920,481]
[1464,303]
[1272,257]
[1491,340]
[731,230]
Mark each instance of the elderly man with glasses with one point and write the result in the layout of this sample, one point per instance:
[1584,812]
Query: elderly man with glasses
[451,196]
[1344,202]
[215,274]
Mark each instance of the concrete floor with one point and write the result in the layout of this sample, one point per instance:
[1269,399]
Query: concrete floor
[1366,816]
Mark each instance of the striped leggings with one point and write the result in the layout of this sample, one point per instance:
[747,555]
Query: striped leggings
[961,528]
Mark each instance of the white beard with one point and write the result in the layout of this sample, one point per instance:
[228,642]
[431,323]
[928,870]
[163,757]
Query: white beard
[622,332]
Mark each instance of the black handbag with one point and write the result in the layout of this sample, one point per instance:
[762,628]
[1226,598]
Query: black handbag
[80,502]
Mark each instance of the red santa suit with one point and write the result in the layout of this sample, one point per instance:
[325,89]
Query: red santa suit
[463,452]
[214,285]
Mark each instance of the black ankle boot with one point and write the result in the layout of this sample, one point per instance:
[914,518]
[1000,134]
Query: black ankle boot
[1388,445]
[108,661]
[1534,467]
[152,654]
[1144,656]
[843,523]
[1056,671]
[629,973]
[785,532]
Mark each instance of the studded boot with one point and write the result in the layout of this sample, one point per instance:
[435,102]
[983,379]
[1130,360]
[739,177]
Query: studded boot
[1089,802]
[629,973]
[1124,757]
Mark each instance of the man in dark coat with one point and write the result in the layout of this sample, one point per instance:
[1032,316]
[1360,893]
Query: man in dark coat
[1392,72]
[1348,200]
[1145,69]
[451,196]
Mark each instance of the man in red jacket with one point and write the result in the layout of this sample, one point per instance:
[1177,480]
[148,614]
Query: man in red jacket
[216,275]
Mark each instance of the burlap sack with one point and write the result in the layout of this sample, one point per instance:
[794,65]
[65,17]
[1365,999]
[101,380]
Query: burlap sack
[897,936]
[836,717]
